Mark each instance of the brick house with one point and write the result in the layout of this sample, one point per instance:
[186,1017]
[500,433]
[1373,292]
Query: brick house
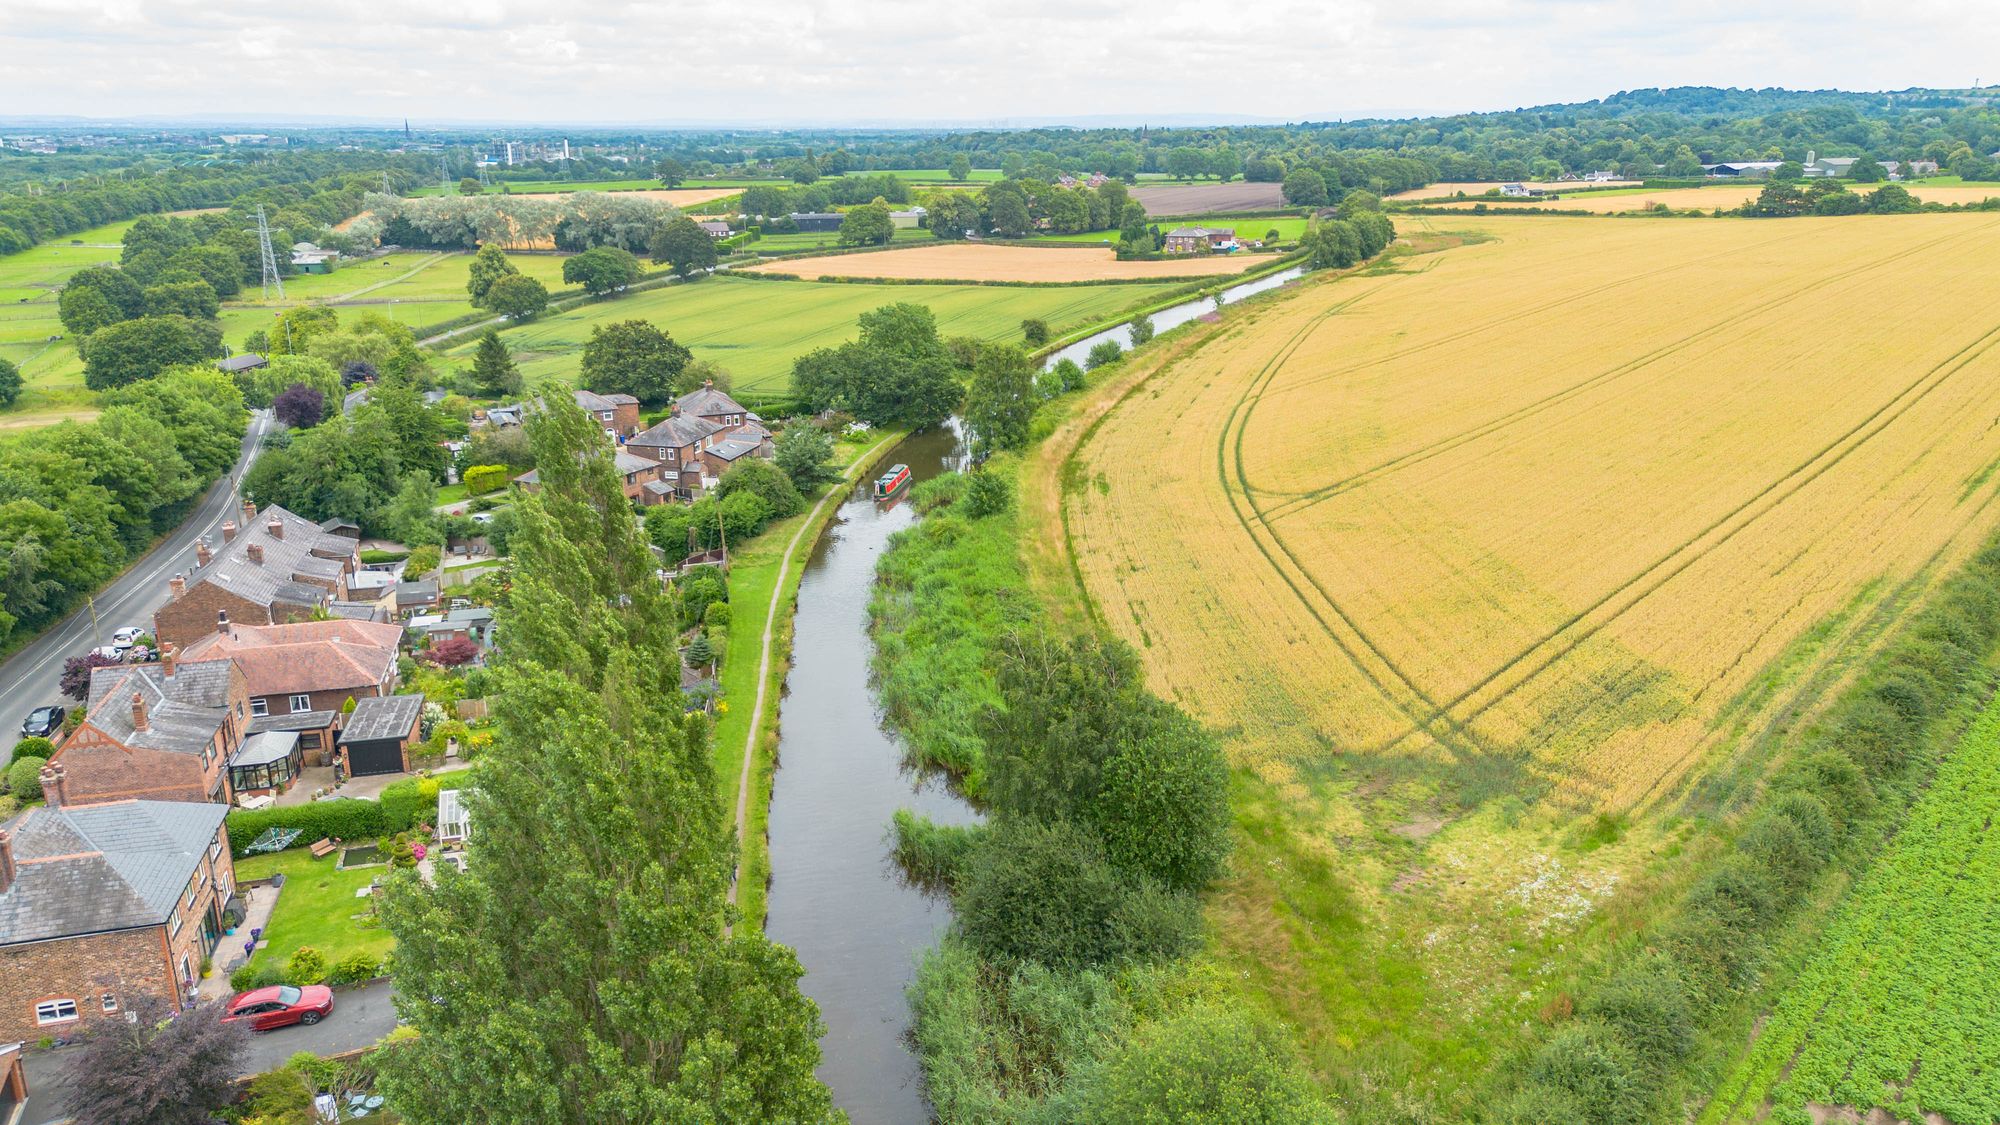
[706,434]
[103,904]
[378,735]
[278,567]
[637,472]
[159,732]
[619,414]
[305,666]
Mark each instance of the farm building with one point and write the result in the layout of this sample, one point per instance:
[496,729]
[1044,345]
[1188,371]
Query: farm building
[1741,169]
[715,228]
[908,219]
[245,361]
[1196,240]
[308,258]
[816,220]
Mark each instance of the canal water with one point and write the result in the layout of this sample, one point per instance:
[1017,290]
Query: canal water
[836,896]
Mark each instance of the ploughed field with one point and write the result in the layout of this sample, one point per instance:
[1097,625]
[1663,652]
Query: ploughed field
[1557,500]
[1193,199]
[966,261]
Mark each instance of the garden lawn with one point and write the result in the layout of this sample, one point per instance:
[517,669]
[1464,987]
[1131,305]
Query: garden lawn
[317,908]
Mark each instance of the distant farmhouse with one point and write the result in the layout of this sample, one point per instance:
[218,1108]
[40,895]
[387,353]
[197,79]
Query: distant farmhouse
[1199,240]
[308,258]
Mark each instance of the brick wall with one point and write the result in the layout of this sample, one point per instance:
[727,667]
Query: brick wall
[97,770]
[125,963]
[191,616]
[330,700]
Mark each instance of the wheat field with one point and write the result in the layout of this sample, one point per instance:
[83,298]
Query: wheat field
[1563,497]
[965,261]
[1725,196]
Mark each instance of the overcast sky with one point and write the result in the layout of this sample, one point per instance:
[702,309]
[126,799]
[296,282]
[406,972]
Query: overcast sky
[576,61]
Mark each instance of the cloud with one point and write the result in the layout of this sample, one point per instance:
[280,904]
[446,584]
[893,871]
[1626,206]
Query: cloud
[820,60]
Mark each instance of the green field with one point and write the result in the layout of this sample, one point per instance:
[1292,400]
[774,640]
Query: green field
[28,284]
[756,328]
[940,175]
[1895,1008]
[415,287]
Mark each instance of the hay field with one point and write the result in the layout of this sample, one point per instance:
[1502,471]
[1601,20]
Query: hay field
[1554,503]
[679,197]
[1707,198]
[1443,191]
[965,261]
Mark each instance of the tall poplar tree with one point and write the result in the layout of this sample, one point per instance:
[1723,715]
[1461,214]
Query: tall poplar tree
[580,971]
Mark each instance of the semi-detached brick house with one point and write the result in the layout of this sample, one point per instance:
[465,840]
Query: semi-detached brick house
[161,732]
[278,567]
[305,666]
[102,904]
[706,434]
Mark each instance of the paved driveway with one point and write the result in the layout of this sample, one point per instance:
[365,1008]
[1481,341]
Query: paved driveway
[361,1018]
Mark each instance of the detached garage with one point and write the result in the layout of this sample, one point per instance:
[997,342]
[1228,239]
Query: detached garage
[377,736]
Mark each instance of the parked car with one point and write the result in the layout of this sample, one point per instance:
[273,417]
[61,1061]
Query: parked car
[44,722]
[108,652]
[280,1005]
[127,637]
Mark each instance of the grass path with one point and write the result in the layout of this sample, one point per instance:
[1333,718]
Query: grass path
[784,581]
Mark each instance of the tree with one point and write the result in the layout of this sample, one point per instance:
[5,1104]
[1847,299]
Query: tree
[633,357]
[1867,170]
[764,479]
[131,350]
[1101,353]
[700,654]
[517,297]
[669,171]
[412,516]
[601,270]
[805,454]
[1787,172]
[684,246]
[1889,199]
[1044,892]
[1035,332]
[615,960]
[494,374]
[85,309]
[299,407]
[1334,244]
[1185,162]
[1141,329]
[10,383]
[1000,403]
[296,328]
[1207,1062]
[469,186]
[423,560]
[191,297]
[451,653]
[489,265]
[157,1068]
[1357,202]
[1007,213]
[960,168]
[867,225]
[1304,187]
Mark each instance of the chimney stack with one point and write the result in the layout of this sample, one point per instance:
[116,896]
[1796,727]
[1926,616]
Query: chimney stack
[201,552]
[249,513]
[276,527]
[55,787]
[228,530]
[222,622]
[255,551]
[167,655]
[6,860]
[139,712]
[176,586]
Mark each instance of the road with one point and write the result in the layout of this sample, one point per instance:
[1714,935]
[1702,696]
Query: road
[361,1018]
[30,679]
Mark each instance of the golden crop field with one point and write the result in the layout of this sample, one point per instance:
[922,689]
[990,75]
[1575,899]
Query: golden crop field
[1561,498]
[1726,196]
[1445,190]
[963,261]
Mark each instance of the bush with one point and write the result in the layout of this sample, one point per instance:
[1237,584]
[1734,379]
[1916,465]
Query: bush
[306,965]
[1034,332]
[933,856]
[354,968]
[1591,1071]
[341,819]
[1204,1063]
[24,779]
[487,478]
[716,616]
[1046,893]
[32,748]
[256,976]
[986,494]
[1141,329]
[406,802]
[1101,354]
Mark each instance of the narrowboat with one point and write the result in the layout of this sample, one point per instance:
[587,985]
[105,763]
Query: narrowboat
[892,482]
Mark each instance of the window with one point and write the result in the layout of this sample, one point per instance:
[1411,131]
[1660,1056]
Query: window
[194,885]
[604,415]
[174,925]
[215,850]
[309,740]
[109,1002]
[259,706]
[55,1011]
[301,704]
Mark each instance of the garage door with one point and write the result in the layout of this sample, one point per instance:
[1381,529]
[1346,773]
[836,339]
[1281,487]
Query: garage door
[364,758]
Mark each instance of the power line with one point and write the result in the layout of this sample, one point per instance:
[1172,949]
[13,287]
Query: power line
[270,260]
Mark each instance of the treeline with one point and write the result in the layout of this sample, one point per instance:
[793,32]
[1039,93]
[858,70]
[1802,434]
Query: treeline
[1621,1058]
[1011,208]
[576,220]
[1782,199]
[278,180]
[775,202]
[79,500]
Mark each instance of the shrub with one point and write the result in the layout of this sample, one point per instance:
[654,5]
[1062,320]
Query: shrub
[342,818]
[487,478]
[1106,352]
[32,748]
[423,560]
[931,855]
[1647,1007]
[1046,893]
[1141,329]
[1204,1063]
[24,779]
[404,803]
[256,976]
[354,968]
[716,616]
[1586,1064]
[986,494]
[306,965]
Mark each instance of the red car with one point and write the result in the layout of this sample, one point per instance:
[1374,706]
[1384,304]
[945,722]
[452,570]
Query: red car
[280,1006]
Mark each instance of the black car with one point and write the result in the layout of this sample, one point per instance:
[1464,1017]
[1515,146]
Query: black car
[44,722]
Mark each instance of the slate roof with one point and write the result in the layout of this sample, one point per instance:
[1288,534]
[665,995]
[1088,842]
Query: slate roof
[730,449]
[303,552]
[244,361]
[629,463]
[303,656]
[94,868]
[183,711]
[591,400]
[356,611]
[296,721]
[387,717]
[659,487]
[675,431]
[417,593]
[706,403]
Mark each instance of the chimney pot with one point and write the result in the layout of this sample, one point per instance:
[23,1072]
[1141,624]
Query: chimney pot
[202,554]
[176,586]
[138,712]
[256,553]
[6,860]
[55,787]
[222,621]
[276,527]
[228,530]
[249,513]
[167,654]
